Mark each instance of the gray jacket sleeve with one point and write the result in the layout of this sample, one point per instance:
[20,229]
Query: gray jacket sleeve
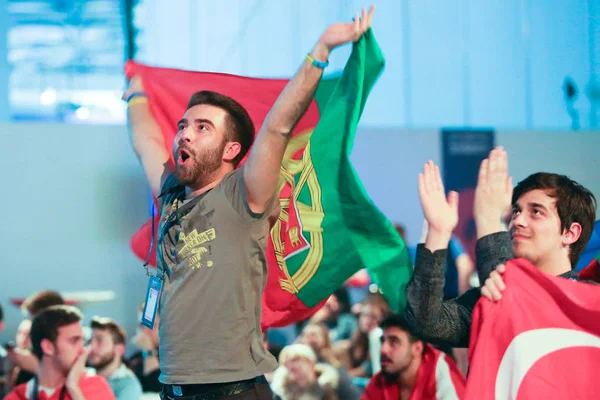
[449,322]
[490,251]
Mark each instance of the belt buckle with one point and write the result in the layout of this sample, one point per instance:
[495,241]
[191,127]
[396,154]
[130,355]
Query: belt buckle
[177,391]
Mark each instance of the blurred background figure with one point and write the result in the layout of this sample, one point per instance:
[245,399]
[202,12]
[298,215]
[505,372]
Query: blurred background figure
[107,347]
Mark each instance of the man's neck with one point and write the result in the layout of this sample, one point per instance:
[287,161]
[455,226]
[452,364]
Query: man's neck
[110,369]
[49,376]
[554,265]
[408,377]
[202,187]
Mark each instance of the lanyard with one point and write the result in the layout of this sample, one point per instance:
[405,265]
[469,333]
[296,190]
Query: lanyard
[63,390]
[175,218]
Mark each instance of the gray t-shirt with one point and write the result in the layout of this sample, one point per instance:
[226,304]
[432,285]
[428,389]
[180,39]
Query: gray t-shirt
[210,308]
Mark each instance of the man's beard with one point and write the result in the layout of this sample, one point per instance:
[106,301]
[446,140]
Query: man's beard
[390,376]
[103,361]
[201,167]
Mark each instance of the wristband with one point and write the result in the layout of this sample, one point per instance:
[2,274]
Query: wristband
[137,100]
[317,63]
[135,94]
[151,353]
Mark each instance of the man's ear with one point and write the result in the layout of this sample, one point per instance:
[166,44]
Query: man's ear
[231,151]
[120,350]
[572,234]
[48,347]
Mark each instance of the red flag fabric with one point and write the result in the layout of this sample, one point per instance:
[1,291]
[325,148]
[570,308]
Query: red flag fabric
[591,272]
[328,228]
[438,378]
[169,91]
[540,341]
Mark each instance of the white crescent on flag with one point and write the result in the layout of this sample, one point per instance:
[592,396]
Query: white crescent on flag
[529,347]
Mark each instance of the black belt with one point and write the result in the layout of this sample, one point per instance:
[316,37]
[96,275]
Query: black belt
[212,391]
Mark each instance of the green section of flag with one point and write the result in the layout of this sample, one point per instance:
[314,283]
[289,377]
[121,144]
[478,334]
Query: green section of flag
[355,234]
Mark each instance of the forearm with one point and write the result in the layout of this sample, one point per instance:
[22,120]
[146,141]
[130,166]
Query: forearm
[491,251]
[261,172]
[25,360]
[143,128]
[486,226]
[151,364]
[297,95]
[425,289]
[437,240]
[465,268]
[437,321]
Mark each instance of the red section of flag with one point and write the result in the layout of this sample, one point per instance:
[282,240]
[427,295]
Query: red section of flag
[591,272]
[540,341]
[169,91]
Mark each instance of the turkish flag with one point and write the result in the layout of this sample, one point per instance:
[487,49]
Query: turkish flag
[540,341]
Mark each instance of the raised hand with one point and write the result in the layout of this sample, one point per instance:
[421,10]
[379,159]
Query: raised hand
[440,212]
[341,33]
[493,194]
[76,372]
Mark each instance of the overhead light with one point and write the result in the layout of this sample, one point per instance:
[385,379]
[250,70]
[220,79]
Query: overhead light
[48,96]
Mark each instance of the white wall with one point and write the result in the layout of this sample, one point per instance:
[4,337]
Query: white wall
[495,63]
[389,160]
[73,196]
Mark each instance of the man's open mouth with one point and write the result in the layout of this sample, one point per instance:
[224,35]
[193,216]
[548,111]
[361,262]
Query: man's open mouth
[183,156]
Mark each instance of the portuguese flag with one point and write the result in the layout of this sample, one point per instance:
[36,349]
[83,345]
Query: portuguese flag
[328,228]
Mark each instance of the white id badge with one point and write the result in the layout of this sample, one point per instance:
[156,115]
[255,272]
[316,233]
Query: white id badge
[151,304]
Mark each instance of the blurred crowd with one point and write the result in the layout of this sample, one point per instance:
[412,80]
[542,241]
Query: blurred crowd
[351,340]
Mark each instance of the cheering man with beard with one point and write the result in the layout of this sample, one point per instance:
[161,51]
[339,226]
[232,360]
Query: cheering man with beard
[107,346]
[412,369]
[211,263]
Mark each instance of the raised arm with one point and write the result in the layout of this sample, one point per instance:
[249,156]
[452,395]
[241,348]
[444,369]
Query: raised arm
[449,322]
[437,321]
[146,137]
[493,197]
[261,171]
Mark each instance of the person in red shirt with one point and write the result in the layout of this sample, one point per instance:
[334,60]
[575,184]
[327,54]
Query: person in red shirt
[412,369]
[57,341]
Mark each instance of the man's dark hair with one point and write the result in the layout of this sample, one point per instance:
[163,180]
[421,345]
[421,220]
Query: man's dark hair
[1,313]
[398,321]
[107,324]
[46,323]
[40,301]
[240,126]
[574,203]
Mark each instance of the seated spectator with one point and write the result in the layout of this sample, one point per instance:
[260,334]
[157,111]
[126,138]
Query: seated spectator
[145,363]
[107,347]
[412,369]
[337,316]
[41,300]
[358,360]
[26,364]
[299,376]
[316,335]
[57,341]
